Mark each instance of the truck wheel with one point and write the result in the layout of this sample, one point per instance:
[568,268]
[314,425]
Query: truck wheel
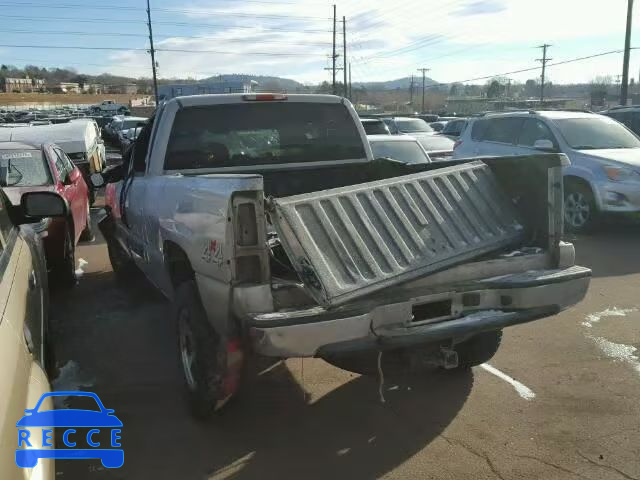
[64,269]
[580,210]
[87,233]
[478,349]
[198,347]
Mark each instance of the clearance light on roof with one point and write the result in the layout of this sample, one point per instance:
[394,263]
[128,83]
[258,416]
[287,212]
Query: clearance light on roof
[264,97]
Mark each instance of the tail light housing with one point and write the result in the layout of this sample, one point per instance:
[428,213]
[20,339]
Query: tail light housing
[250,257]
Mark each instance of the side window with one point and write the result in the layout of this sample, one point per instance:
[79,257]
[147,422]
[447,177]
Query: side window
[68,164]
[533,130]
[60,166]
[502,130]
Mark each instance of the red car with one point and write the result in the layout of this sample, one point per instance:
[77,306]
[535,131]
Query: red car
[27,167]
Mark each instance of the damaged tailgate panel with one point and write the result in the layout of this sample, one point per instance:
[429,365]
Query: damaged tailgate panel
[351,241]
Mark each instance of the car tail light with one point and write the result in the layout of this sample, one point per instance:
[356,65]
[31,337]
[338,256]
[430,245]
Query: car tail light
[457,144]
[265,97]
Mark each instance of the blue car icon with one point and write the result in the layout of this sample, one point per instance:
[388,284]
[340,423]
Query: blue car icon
[67,419]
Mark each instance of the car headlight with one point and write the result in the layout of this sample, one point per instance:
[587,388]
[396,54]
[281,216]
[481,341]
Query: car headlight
[621,174]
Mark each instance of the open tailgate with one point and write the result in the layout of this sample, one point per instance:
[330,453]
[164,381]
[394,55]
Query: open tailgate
[351,241]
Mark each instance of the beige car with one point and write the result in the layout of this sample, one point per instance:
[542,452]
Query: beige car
[25,355]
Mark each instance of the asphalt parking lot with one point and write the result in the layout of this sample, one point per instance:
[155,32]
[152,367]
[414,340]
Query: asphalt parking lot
[559,400]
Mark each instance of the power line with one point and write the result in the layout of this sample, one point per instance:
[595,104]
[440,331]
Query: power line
[178,50]
[216,13]
[178,24]
[530,69]
[142,35]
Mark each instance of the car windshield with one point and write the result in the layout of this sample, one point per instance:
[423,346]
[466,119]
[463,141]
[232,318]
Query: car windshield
[413,125]
[23,168]
[263,133]
[596,133]
[127,124]
[407,152]
[377,127]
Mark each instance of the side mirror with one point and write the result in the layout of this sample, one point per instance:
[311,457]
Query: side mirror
[544,145]
[43,204]
[72,177]
[97,180]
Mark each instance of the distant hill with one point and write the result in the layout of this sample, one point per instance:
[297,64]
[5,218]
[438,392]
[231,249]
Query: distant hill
[265,82]
[400,83]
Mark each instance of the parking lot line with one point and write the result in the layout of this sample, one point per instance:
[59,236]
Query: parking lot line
[524,391]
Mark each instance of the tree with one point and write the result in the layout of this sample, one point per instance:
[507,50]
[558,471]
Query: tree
[495,89]
[531,88]
[81,80]
[324,87]
[456,89]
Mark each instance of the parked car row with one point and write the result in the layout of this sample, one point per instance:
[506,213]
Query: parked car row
[437,146]
[119,130]
[80,139]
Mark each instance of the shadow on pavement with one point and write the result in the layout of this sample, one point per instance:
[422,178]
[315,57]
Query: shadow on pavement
[125,339]
[612,250]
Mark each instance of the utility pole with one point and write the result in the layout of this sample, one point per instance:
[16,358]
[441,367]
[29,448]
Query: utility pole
[544,61]
[344,55]
[153,55]
[624,89]
[411,91]
[334,56]
[424,72]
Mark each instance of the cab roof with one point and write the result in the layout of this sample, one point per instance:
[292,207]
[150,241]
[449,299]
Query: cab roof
[20,146]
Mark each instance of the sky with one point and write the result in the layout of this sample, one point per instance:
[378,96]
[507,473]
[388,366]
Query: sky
[456,39]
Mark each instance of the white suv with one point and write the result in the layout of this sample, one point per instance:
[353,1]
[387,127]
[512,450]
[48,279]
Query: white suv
[604,175]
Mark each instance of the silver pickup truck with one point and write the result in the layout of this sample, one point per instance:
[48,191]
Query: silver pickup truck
[273,231]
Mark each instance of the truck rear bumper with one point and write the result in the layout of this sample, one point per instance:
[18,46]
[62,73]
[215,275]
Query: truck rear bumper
[489,304]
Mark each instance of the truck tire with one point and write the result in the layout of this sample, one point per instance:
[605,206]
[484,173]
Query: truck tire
[64,268]
[198,347]
[478,349]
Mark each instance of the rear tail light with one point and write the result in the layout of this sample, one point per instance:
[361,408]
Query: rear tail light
[457,144]
[264,97]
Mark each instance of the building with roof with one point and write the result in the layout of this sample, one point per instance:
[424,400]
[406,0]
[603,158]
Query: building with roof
[167,92]
[21,85]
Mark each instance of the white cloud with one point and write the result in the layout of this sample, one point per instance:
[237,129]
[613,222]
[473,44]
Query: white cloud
[463,39]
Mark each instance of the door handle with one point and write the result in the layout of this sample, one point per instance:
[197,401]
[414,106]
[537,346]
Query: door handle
[33,280]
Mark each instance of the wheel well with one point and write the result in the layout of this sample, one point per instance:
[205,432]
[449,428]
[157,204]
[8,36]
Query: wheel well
[177,263]
[571,180]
